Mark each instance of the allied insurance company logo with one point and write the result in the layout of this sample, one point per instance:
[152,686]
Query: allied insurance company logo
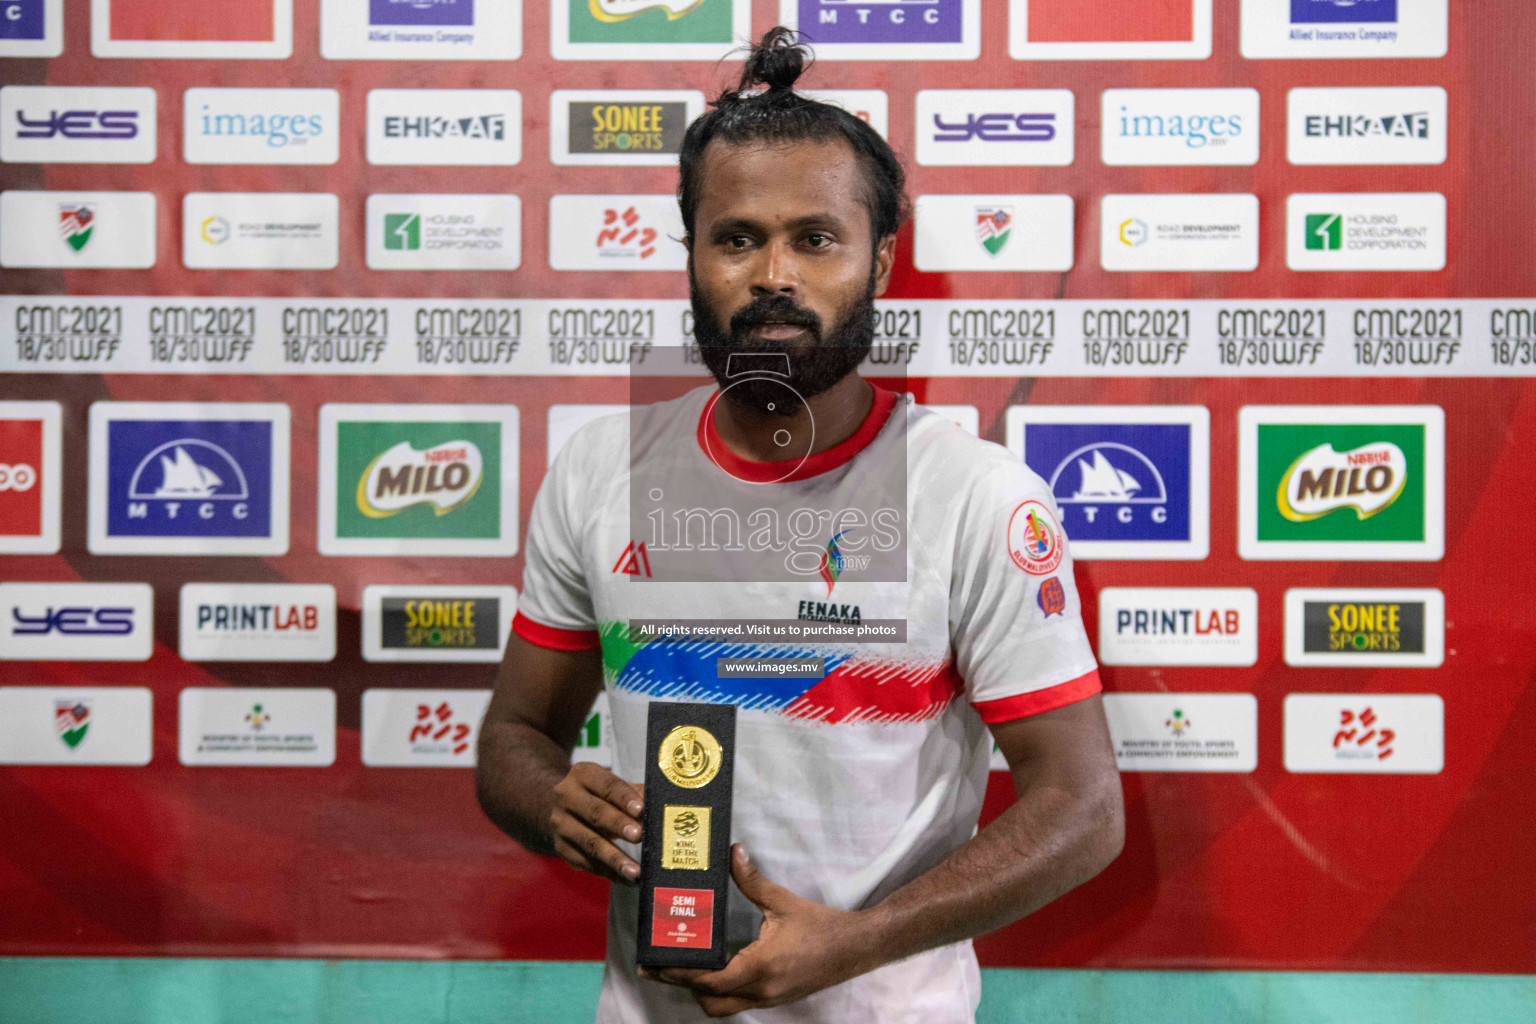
[421,12]
[1129,481]
[1351,482]
[1355,11]
[188,479]
[417,479]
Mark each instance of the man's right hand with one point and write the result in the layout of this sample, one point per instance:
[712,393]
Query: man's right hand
[593,807]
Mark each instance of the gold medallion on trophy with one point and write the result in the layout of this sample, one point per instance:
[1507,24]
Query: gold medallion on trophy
[689,757]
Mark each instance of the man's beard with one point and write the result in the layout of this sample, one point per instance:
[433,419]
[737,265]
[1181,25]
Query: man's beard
[814,365]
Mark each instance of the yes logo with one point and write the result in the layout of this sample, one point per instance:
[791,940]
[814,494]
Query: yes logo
[418,480]
[1364,483]
[189,479]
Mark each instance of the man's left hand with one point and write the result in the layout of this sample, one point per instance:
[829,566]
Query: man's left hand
[803,947]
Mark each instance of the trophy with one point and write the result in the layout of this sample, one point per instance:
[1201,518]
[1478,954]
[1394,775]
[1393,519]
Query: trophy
[685,859]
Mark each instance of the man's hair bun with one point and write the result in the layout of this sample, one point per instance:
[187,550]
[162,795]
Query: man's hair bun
[776,62]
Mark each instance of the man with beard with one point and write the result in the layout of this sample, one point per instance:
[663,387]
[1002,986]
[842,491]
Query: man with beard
[861,875]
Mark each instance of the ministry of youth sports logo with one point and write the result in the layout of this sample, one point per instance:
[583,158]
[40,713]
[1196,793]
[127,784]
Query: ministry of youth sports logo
[1035,540]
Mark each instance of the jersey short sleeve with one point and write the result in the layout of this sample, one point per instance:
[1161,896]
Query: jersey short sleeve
[1015,618]
[554,608]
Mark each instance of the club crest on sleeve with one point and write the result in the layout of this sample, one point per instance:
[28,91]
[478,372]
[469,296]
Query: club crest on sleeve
[1034,539]
[1052,597]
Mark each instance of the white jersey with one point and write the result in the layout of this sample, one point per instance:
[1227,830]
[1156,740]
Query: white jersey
[849,786]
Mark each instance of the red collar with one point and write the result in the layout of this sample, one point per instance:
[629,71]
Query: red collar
[786,470]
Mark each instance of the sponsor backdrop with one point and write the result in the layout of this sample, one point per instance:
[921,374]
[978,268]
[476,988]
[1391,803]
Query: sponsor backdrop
[1249,283]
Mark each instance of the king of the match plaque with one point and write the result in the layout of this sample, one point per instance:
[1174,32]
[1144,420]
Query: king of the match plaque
[685,858]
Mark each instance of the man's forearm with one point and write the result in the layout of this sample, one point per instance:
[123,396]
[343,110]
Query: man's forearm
[515,780]
[1050,841]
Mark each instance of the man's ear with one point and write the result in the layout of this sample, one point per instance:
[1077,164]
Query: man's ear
[885,259]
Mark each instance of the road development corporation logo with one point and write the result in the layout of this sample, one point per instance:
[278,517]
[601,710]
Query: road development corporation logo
[656,30]
[418,480]
[261,126]
[1178,626]
[1035,541]
[421,29]
[995,127]
[993,232]
[1344,28]
[1352,483]
[1367,126]
[1364,733]
[31,457]
[73,230]
[1184,732]
[188,479]
[1179,232]
[31,28]
[260,230]
[437,623]
[84,725]
[77,125]
[258,728]
[444,232]
[422,728]
[445,127]
[258,622]
[593,127]
[193,29]
[1365,231]
[602,232]
[1180,127]
[76,622]
[1131,482]
[1364,627]
[887,29]
[1051,30]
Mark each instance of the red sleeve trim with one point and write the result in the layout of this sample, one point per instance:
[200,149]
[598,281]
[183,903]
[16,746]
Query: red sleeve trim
[553,637]
[1022,705]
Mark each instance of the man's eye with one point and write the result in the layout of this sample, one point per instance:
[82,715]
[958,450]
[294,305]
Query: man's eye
[739,241]
[817,240]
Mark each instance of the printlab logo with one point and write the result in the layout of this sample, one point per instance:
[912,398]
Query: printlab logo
[71,720]
[994,226]
[1366,231]
[421,12]
[169,479]
[1356,11]
[1129,481]
[258,622]
[429,483]
[1357,482]
[1178,625]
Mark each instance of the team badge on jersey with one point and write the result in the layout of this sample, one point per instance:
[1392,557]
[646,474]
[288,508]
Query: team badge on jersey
[1034,539]
[1052,597]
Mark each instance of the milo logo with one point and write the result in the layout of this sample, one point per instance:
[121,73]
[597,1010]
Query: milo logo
[1367,479]
[446,476]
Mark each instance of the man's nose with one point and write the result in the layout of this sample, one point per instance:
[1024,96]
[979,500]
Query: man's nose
[776,271]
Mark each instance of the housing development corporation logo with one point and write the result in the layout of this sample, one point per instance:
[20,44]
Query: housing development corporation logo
[418,479]
[436,623]
[1365,627]
[1365,231]
[1178,626]
[440,231]
[1131,482]
[1348,482]
[188,479]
